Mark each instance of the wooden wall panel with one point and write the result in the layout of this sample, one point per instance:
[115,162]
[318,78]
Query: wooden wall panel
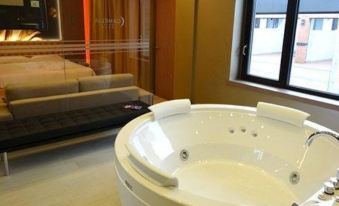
[72,24]
[165,48]
[72,19]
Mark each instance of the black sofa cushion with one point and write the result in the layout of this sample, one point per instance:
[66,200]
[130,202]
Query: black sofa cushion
[23,133]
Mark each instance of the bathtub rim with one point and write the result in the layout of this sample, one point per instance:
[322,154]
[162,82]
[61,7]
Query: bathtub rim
[121,152]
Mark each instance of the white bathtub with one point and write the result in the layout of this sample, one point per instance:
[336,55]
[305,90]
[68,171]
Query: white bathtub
[221,155]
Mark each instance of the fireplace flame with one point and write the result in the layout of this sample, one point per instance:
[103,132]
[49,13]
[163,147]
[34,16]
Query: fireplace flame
[19,35]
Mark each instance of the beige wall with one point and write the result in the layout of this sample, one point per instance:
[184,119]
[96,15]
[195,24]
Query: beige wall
[213,59]
[184,33]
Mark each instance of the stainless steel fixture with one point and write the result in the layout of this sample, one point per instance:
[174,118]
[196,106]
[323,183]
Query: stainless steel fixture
[335,182]
[329,188]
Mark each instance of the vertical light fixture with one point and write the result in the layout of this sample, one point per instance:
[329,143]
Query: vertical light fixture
[86,5]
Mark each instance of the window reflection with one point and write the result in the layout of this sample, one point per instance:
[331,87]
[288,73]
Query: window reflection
[63,39]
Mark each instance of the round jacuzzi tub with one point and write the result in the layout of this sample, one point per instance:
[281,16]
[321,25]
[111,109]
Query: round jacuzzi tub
[221,155]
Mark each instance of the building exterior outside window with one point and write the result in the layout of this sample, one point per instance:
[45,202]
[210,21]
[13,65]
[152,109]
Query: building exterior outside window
[257,23]
[313,59]
[318,24]
[272,23]
[335,24]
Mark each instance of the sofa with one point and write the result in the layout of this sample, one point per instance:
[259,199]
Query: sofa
[27,100]
[37,114]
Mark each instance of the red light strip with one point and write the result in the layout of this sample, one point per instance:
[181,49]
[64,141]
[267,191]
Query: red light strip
[87,29]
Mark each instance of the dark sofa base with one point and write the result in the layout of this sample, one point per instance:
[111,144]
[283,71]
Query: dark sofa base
[41,130]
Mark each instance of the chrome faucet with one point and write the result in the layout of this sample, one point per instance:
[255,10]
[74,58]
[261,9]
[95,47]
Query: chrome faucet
[315,135]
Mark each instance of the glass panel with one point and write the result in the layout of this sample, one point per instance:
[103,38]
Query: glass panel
[268,39]
[316,53]
[120,38]
[70,39]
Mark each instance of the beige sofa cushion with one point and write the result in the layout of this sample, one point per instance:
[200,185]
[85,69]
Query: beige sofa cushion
[105,82]
[62,103]
[26,91]
[5,114]
[145,96]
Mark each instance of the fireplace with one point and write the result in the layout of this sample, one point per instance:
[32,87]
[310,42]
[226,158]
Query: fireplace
[19,35]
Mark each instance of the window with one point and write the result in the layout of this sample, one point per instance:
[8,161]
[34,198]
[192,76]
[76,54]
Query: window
[272,23]
[257,23]
[267,44]
[301,53]
[318,24]
[335,24]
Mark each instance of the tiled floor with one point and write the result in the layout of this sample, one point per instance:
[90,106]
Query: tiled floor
[81,174]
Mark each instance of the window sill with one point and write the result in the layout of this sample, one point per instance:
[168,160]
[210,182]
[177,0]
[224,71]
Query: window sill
[298,96]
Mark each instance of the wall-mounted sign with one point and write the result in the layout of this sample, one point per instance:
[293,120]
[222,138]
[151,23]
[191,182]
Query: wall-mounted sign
[35,4]
[111,22]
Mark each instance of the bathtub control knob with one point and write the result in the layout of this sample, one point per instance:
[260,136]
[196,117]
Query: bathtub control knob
[335,182]
[329,188]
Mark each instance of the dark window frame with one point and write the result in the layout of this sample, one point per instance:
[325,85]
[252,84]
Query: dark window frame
[287,51]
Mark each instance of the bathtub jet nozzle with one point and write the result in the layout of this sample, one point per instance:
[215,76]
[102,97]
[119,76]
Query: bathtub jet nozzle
[294,178]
